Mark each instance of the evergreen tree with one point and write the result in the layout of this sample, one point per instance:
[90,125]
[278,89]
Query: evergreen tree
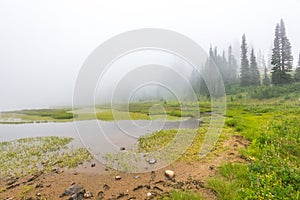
[245,70]
[232,67]
[282,58]
[266,80]
[254,73]
[297,71]
[297,74]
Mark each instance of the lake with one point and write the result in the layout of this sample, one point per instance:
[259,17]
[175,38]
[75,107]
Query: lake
[93,133]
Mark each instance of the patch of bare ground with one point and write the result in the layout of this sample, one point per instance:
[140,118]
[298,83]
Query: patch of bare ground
[97,183]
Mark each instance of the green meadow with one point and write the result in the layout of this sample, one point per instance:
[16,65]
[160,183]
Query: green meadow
[268,117]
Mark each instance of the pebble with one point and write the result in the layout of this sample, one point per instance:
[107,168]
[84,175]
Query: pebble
[118,177]
[149,194]
[122,148]
[152,161]
[73,189]
[106,187]
[93,165]
[169,174]
[88,194]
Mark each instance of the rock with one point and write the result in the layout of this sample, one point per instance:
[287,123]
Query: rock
[106,187]
[10,180]
[170,174]
[93,165]
[153,175]
[38,194]
[121,195]
[212,167]
[149,194]
[122,148]
[100,195]
[35,176]
[73,189]
[78,196]
[152,161]
[118,177]
[39,185]
[158,188]
[88,194]
[136,177]
[138,187]
[12,186]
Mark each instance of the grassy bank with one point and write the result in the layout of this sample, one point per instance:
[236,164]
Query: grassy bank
[41,154]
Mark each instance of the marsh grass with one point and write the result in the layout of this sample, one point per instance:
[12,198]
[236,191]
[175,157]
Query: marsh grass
[30,155]
[181,195]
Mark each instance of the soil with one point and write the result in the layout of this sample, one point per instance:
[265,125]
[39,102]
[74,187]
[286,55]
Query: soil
[102,184]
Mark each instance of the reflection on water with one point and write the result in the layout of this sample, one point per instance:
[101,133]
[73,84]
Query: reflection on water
[121,133]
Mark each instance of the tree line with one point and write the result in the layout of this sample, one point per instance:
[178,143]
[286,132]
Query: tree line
[248,74]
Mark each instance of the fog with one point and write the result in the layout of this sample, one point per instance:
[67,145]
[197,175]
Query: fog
[44,43]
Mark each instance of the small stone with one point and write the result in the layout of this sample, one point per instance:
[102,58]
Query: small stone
[152,161]
[169,174]
[39,185]
[100,195]
[38,194]
[211,167]
[106,187]
[149,194]
[75,173]
[93,165]
[122,148]
[136,177]
[11,180]
[88,194]
[118,177]
[73,189]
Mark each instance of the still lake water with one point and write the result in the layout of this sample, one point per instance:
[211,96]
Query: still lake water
[93,132]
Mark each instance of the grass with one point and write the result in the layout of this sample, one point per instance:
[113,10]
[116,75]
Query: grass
[273,170]
[267,116]
[181,195]
[273,126]
[30,155]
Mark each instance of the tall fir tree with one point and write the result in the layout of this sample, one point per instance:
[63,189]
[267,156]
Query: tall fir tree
[245,70]
[254,72]
[282,59]
[266,79]
[297,71]
[232,67]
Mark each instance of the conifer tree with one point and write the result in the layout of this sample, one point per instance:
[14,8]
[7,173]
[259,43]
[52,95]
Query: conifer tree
[297,71]
[245,70]
[232,67]
[282,59]
[266,79]
[254,73]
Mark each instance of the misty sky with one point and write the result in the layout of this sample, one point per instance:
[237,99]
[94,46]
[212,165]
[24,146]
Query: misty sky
[44,43]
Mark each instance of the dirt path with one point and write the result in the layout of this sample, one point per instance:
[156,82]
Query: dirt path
[103,185]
